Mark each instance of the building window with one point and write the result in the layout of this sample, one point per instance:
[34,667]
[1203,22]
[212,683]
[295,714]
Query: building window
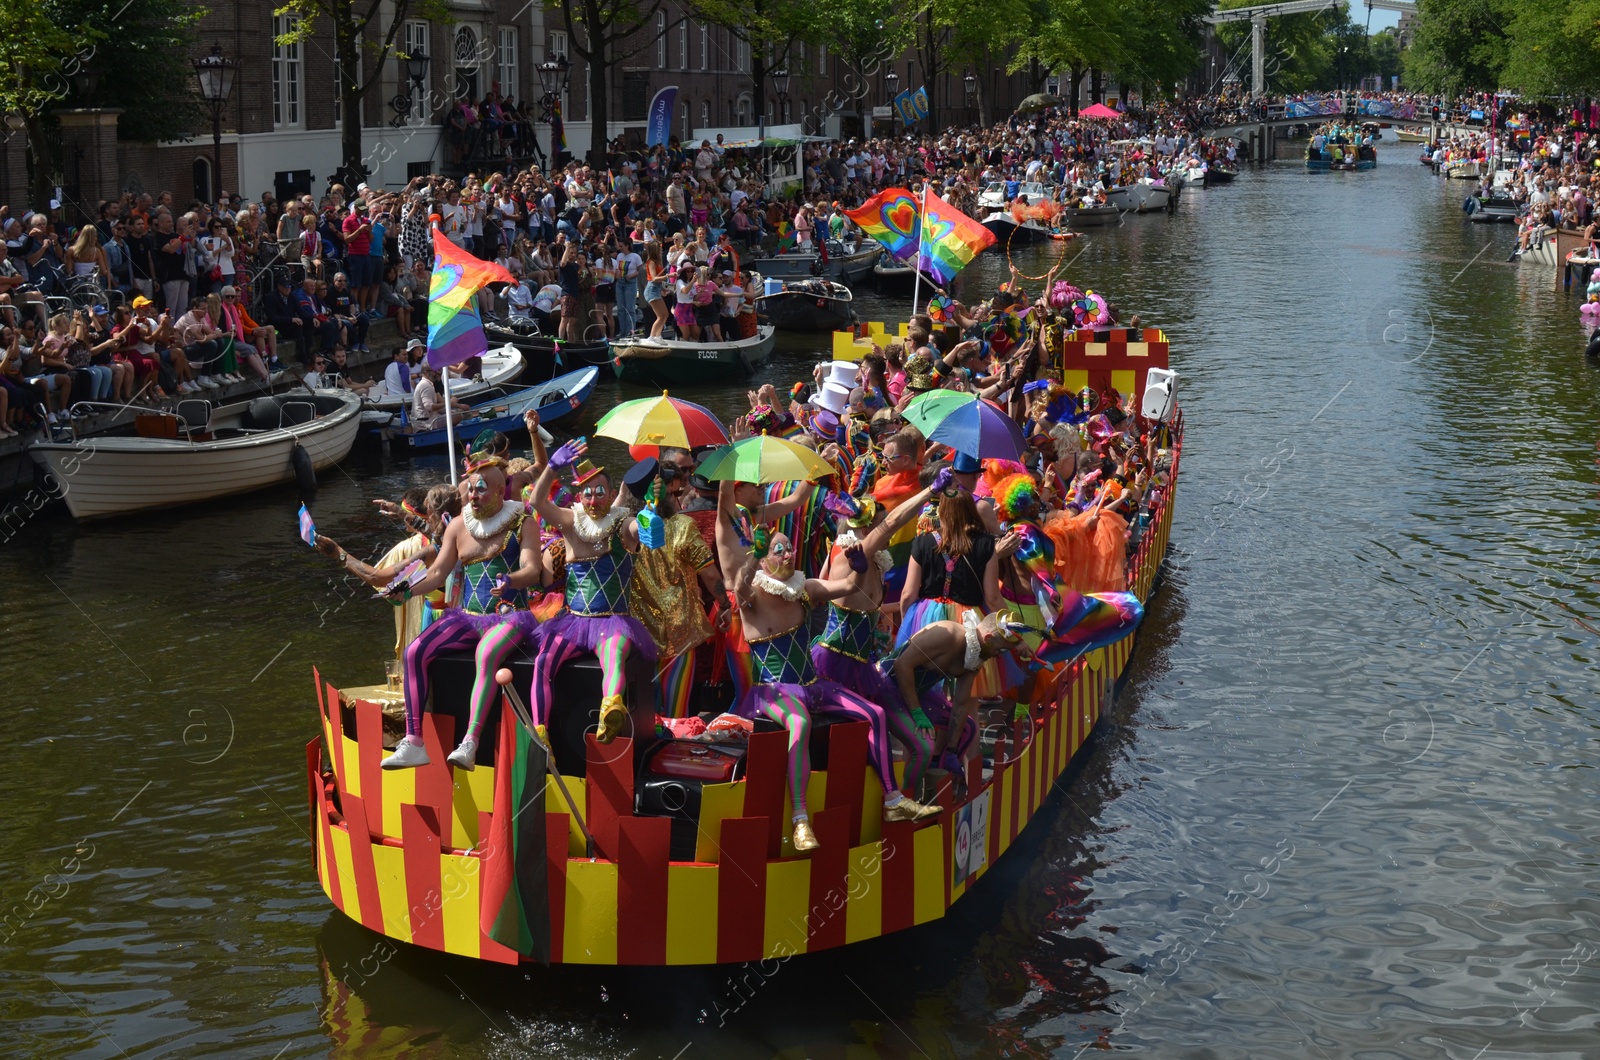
[822,60]
[466,57]
[683,45]
[661,40]
[683,109]
[741,52]
[705,47]
[285,74]
[799,64]
[415,42]
[635,95]
[507,65]
[558,45]
[705,114]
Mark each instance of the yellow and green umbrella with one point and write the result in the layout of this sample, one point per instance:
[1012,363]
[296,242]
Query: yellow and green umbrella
[764,459]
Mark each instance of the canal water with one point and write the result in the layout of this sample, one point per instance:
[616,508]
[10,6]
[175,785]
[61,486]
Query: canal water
[1345,806]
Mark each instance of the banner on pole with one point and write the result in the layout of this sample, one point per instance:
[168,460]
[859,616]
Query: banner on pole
[660,124]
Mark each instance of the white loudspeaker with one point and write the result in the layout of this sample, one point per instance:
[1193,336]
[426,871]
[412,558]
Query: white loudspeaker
[1160,394]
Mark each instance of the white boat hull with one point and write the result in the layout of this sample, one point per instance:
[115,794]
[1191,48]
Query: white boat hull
[114,475]
[1463,170]
[1540,253]
[1140,198]
[501,367]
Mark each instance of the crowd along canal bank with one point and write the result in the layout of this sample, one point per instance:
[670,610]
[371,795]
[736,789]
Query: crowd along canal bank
[1342,800]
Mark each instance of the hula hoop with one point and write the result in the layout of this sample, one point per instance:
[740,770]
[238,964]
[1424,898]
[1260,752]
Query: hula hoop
[1012,264]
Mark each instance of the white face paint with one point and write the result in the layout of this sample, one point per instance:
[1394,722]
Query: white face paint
[779,560]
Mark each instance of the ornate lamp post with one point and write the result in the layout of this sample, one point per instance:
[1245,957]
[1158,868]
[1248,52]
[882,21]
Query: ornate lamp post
[416,71]
[554,76]
[215,73]
[969,85]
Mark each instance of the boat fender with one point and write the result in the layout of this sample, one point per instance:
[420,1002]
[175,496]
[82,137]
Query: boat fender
[304,474]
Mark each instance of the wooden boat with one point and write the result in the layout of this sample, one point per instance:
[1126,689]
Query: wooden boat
[808,305]
[199,453]
[1142,196]
[671,362]
[540,351]
[1408,136]
[652,851]
[501,367]
[556,400]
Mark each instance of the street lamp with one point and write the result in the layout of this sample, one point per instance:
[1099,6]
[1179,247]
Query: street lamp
[969,86]
[554,76]
[215,74]
[416,70]
[891,81]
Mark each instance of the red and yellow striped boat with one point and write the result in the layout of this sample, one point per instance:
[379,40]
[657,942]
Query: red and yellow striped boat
[409,853]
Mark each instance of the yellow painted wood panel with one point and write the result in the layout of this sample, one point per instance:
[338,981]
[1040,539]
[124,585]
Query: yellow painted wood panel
[692,914]
[345,867]
[591,923]
[864,914]
[399,786]
[871,808]
[389,864]
[352,767]
[718,802]
[474,794]
[788,893]
[930,874]
[459,881]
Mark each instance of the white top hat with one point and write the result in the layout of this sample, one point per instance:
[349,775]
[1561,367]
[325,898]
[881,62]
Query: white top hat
[832,397]
[842,374]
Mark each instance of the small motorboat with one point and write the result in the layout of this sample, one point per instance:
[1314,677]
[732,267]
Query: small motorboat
[197,452]
[807,305]
[1541,249]
[501,367]
[1142,196]
[793,265]
[851,263]
[1219,175]
[1010,232]
[1340,158]
[1463,169]
[663,362]
[556,401]
[1089,216]
[1408,136]
[892,274]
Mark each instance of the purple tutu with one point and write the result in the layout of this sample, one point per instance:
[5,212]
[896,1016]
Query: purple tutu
[584,633]
[524,620]
[862,678]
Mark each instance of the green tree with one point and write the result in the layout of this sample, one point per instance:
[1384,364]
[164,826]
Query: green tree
[1546,53]
[604,33]
[1460,46]
[361,46]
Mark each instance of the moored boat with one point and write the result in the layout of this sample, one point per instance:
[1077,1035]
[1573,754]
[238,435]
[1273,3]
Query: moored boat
[199,453]
[851,263]
[808,305]
[673,361]
[1218,174]
[655,851]
[1541,249]
[557,400]
[1463,169]
[792,265]
[501,367]
[545,354]
[1090,216]
[1142,196]
[1409,136]
[1008,231]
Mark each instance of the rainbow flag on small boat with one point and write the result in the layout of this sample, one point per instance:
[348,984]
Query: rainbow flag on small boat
[455,331]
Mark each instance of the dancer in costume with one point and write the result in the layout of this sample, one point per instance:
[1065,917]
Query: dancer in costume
[500,562]
[956,649]
[847,648]
[601,538]
[665,591]
[773,601]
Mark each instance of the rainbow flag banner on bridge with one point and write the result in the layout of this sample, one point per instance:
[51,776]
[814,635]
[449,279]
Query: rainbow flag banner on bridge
[946,238]
[455,331]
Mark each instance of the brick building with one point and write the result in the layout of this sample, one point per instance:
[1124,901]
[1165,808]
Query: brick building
[281,126]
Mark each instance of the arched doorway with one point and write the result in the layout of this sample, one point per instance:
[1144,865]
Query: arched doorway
[202,178]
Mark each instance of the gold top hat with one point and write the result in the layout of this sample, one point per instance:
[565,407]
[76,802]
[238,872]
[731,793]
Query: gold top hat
[584,471]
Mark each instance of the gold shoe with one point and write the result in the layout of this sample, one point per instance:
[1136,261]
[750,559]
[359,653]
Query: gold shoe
[543,734]
[805,840]
[612,715]
[909,809]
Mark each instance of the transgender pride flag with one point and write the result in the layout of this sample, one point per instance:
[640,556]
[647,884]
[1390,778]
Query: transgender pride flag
[455,331]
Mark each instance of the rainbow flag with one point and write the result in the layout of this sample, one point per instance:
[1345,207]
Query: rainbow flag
[786,236]
[943,241]
[455,331]
[950,239]
[1087,622]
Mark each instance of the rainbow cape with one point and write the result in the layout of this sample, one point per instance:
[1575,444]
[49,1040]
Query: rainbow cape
[455,331]
[942,239]
[1087,622]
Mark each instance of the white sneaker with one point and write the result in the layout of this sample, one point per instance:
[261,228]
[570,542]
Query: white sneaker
[407,756]
[463,757]
[276,375]
[187,388]
[208,382]
[51,419]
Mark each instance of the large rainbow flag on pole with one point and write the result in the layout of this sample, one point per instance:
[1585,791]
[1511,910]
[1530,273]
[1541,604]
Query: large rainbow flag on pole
[947,239]
[455,331]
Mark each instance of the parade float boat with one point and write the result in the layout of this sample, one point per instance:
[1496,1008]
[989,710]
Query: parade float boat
[164,459]
[807,305]
[674,362]
[653,851]
[1327,161]
[557,401]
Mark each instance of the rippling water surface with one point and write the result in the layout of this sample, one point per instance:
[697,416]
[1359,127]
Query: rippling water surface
[1345,806]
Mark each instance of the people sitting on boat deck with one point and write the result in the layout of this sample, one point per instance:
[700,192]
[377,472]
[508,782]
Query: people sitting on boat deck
[334,372]
[601,538]
[957,649]
[774,600]
[498,548]
[428,403]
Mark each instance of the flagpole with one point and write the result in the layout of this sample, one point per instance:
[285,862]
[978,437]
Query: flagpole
[449,426]
[916,285]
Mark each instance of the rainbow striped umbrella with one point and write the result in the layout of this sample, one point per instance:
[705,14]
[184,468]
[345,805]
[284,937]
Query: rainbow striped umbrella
[662,421]
[765,459]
